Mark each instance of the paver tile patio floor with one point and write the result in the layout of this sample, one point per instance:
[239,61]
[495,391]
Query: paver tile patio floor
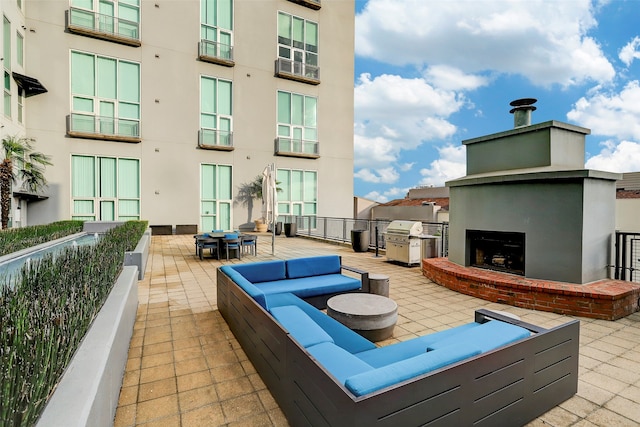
[185,368]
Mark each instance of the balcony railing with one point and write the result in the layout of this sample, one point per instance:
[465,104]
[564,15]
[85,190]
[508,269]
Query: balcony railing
[291,147]
[106,27]
[106,128]
[313,4]
[212,139]
[299,71]
[215,52]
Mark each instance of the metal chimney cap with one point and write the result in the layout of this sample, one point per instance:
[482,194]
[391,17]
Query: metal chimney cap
[523,104]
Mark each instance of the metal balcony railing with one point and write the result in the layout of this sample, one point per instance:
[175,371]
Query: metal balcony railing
[298,71]
[213,139]
[97,127]
[296,147]
[215,52]
[106,27]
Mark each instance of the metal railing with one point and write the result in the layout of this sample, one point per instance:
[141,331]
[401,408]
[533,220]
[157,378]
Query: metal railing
[98,23]
[211,49]
[627,256]
[212,138]
[105,127]
[305,72]
[339,229]
[286,145]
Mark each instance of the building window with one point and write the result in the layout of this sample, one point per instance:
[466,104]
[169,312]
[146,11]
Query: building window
[215,197]
[20,105]
[216,124]
[6,61]
[105,188]
[297,49]
[114,20]
[216,31]
[299,195]
[20,49]
[297,125]
[105,98]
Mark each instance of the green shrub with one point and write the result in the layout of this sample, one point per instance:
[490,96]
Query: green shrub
[15,239]
[47,312]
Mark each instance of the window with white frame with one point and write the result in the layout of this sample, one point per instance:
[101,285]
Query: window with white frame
[297,123]
[215,197]
[299,195]
[115,17]
[105,188]
[6,61]
[20,49]
[216,28]
[105,95]
[216,124]
[297,41]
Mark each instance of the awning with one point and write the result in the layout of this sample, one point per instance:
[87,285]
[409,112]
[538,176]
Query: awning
[29,85]
[29,197]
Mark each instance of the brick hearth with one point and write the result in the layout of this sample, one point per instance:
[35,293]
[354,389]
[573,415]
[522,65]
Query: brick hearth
[604,299]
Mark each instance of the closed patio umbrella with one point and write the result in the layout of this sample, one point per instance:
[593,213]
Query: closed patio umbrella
[269,200]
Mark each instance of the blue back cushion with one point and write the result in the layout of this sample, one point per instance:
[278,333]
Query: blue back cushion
[265,271]
[370,381]
[313,266]
[300,326]
[338,361]
[247,286]
[485,337]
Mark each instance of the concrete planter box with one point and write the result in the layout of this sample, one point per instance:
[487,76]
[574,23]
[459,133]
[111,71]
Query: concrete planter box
[139,255]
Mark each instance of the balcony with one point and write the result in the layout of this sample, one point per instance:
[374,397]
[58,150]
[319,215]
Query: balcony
[105,27]
[298,71]
[103,128]
[212,139]
[215,53]
[290,147]
[312,4]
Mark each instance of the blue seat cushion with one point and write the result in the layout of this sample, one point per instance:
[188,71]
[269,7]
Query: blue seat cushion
[381,356]
[370,381]
[300,326]
[265,271]
[341,335]
[312,286]
[485,337]
[313,266]
[339,362]
[246,285]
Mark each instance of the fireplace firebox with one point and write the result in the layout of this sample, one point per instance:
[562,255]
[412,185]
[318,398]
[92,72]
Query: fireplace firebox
[497,250]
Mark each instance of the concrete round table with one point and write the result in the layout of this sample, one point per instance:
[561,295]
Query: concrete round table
[372,316]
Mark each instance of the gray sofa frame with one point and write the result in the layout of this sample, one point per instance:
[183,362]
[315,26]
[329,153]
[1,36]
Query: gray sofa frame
[508,386]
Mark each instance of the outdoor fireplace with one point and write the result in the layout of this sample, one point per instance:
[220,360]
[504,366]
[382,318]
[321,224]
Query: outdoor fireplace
[496,250]
[527,205]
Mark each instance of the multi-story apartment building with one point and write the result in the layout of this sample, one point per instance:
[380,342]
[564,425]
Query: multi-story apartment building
[163,109]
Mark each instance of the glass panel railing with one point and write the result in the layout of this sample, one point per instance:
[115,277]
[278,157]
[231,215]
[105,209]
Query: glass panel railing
[214,137]
[213,49]
[306,71]
[298,146]
[105,126]
[103,24]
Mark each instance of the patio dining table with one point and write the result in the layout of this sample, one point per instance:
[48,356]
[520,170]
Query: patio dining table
[202,240]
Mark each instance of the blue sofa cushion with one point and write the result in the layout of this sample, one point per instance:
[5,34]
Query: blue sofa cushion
[339,362]
[341,335]
[376,379]
[485,337]
[246,285]
[264,271]
[381,356]
[313,266]
[300,326]
[312,286]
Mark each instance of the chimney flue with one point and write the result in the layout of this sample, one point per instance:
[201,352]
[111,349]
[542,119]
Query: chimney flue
[522,111]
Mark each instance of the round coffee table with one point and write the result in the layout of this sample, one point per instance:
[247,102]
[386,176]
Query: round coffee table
[372,316]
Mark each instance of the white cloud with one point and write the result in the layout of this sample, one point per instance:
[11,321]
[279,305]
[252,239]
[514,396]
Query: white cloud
[610,114]
[450,78]
[390,194]
[383,176]
[630,51]
[622,157]
[544,40]
[451,164]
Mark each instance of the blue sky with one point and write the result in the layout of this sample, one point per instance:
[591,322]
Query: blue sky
[432,73]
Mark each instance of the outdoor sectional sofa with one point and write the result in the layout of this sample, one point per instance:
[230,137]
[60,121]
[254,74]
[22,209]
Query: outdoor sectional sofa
[494,371]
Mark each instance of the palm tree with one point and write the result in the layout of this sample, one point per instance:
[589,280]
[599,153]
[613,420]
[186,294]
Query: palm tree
[20,161]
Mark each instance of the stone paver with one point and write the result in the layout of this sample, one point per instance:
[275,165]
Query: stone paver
[185,367]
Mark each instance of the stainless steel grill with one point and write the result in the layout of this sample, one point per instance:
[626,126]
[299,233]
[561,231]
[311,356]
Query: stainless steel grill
[403,242]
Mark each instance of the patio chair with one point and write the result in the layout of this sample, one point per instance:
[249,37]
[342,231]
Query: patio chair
[212,245]
[249,244]
[232,242]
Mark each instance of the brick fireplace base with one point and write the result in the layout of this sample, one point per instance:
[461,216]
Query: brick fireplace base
[605,299]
